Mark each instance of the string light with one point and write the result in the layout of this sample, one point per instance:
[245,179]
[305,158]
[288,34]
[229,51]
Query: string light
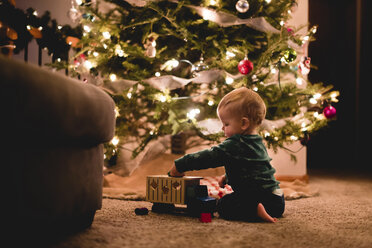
[170,65]
[193,113]
[213,2]
[115,141]
[299,81]
[117,112]
[87,28]
[106,35]
[229,55]
[210,103]
[313,101]
[303,125]
[317,96]
[88,64]
[113,77]
[229,80]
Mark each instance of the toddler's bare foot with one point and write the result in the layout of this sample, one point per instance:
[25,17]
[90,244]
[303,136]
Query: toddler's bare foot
[261,212]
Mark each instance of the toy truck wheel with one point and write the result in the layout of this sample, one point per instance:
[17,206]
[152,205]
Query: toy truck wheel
[162,207]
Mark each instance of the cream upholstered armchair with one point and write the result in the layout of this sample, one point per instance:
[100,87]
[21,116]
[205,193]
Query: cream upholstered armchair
[52,130]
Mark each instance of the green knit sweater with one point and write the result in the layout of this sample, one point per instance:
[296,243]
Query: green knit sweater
[247,164]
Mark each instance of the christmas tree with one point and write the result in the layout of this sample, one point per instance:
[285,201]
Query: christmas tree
[167,64]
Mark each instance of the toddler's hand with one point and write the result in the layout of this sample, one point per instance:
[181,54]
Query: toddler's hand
[174,172]
[221,181]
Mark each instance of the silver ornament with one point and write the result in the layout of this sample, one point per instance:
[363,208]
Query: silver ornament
[242,6]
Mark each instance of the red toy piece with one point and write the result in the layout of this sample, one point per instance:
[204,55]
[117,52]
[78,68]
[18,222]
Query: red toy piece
[205,217]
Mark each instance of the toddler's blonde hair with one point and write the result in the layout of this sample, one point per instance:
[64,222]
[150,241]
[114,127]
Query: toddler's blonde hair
[244,102]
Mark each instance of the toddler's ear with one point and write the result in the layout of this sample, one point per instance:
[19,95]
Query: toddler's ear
[245,123]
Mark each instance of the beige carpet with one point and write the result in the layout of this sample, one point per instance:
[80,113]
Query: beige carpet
[133,187]
[339,216]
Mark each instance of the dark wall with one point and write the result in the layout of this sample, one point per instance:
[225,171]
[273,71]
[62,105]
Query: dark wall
[341,54]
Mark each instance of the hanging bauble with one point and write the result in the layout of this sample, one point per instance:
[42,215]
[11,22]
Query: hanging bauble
[150,45]
[245,66]
[88,16]
[329,112]
[74,14]
[304,65]
[199,66]
[242,6]
[183,69]
[305,140]
[290,55]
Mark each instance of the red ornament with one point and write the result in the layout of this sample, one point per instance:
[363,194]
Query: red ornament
[329,112]
[245,66]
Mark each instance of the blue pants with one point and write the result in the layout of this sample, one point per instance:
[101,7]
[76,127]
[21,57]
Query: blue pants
[243,206]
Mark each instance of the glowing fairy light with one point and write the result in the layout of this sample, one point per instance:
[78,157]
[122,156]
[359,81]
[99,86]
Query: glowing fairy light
[213,2]
[157,74]
[313,101]
[95,54]
[88,64]
[59,27]
[299,81]
[193,113]
[282,23]
[293,137]
[229,80]
[255,88]
[117,112]
[273,70]
[229,55]
[268,1]
[314,29]
[208,14]
[79,2]
[28,27]
[35,13]
[119,51]
[129,95]
[210,103]
[303,127]
[40,28]
[317,96]
[106,35]
[170,65]
[87,28]
[334,96]
[162,98]
[115,141]
[113,77]
[266,134]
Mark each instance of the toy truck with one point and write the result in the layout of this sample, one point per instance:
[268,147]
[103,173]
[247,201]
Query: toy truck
[165,192]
